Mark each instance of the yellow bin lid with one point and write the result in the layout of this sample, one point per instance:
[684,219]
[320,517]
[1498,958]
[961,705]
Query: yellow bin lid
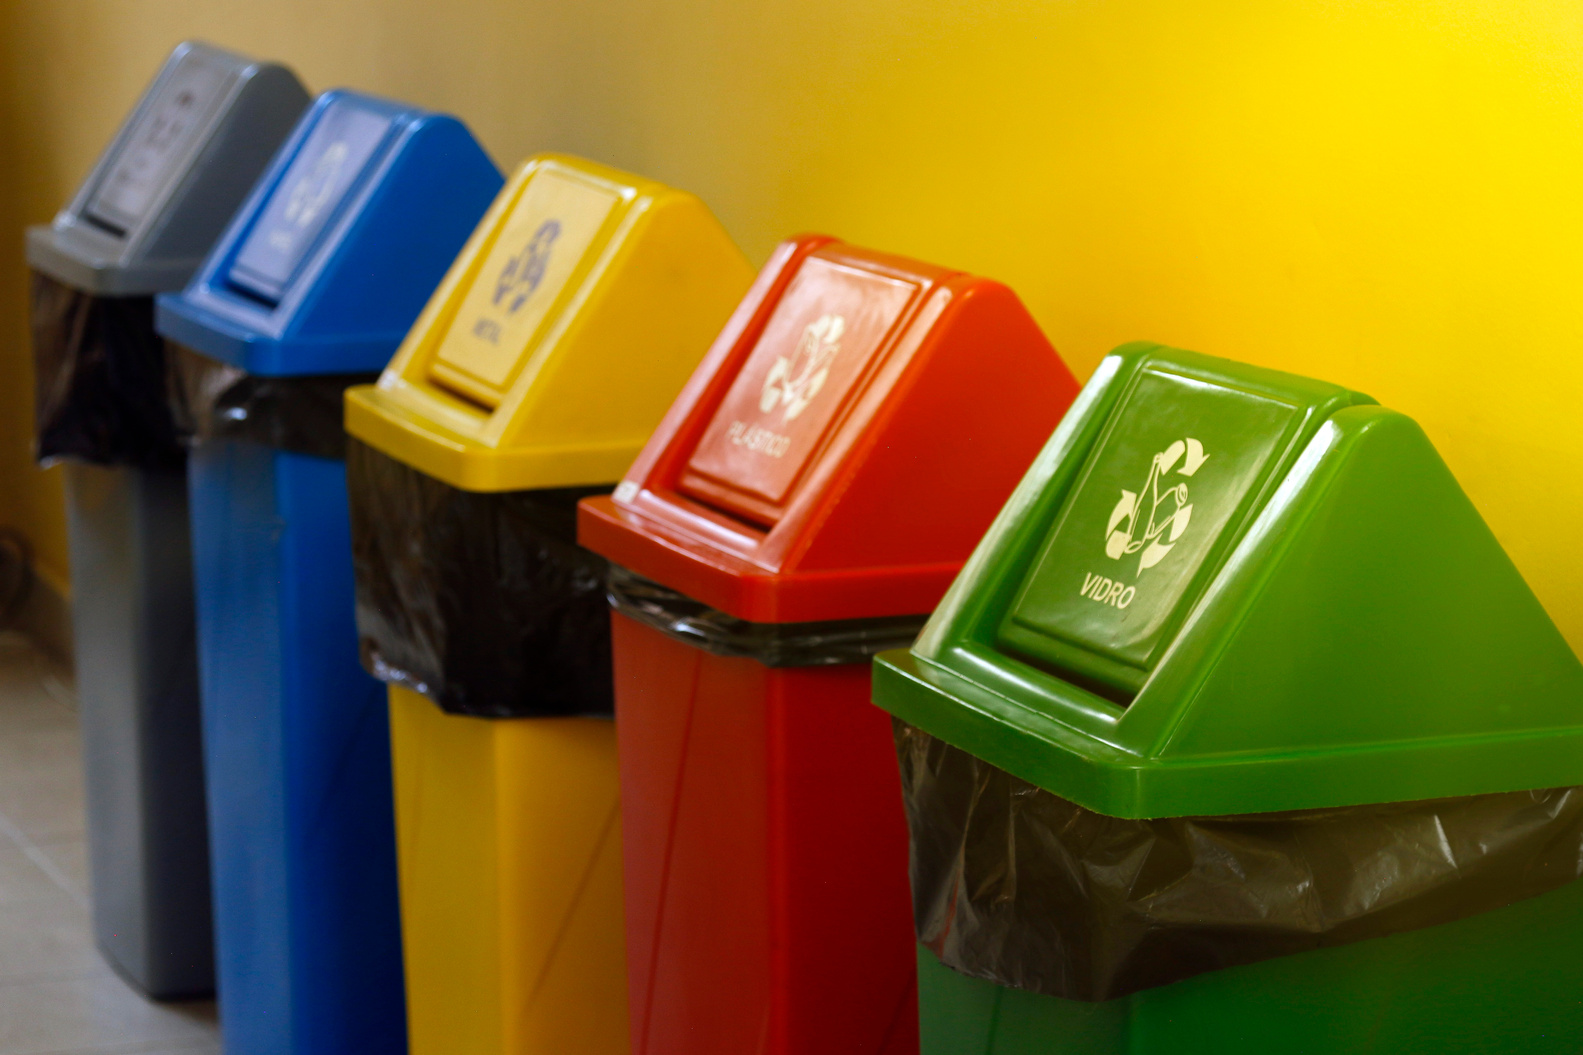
[561,334]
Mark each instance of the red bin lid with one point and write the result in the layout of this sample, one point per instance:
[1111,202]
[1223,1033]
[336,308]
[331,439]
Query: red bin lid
[843,445]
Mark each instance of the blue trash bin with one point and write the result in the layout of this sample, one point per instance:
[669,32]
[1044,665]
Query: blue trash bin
[311,288]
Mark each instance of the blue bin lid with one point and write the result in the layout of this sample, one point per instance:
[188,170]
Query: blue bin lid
[333,255]
[165,187]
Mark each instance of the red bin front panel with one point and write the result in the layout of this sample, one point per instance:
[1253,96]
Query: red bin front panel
[737,781]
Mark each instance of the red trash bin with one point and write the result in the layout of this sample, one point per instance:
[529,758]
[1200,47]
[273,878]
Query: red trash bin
[806,502]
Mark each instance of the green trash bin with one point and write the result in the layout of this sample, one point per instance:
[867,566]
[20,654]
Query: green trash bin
[1240,732]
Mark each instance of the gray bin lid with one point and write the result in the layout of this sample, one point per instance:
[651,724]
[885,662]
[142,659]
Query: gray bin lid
[166,186]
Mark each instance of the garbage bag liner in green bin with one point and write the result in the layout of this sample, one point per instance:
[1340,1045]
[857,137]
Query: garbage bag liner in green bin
[1234,732]
[1028,889]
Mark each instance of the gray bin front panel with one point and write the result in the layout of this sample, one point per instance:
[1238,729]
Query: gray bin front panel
[137,679]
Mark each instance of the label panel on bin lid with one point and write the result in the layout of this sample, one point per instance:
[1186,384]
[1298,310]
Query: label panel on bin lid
[335,153]
[552,227]
[818,343]
[145,163]
[1180,459]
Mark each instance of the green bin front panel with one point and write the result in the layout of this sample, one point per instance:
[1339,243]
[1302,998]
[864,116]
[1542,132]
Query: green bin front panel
[1508,982]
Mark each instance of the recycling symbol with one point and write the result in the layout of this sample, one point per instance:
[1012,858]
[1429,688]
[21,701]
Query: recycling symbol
[523,272]
[794,380]
[171,123]
[1163,499]
[312,191]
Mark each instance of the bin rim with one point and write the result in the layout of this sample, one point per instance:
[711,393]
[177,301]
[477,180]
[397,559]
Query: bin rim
[385,424]
[65,255]
[228,341]
[738,587]
[1107,779]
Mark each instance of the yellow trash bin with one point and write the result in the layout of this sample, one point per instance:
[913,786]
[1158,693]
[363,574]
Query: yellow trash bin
[561,335]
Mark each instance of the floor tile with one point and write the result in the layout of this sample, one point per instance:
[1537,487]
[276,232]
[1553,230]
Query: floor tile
[40,748]
[44,804]
[45,937]
[66,861]
[97,1014]
[30,706]
[163,1047]
[22,878]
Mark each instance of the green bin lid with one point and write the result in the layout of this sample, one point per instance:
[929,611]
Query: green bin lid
[1222,589]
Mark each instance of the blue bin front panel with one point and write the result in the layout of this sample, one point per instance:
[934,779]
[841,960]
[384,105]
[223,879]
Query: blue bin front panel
[296,740]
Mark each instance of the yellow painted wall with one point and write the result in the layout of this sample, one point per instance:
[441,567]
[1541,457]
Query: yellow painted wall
[1383,194]
[29,499]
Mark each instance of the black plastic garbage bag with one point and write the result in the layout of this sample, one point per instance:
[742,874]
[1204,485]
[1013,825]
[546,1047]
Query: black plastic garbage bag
[1026,889]
[214,400]
[482,602]
[99,379]
[772,644]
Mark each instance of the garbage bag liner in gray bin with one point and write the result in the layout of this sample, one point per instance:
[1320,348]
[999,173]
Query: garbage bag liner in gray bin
[140,224]
[99,391]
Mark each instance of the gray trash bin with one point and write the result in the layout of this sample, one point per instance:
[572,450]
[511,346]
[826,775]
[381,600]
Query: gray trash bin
[140,224]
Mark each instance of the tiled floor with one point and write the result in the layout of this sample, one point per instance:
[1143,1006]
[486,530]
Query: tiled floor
[57,997]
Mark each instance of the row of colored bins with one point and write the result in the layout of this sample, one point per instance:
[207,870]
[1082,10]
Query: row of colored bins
[1161,757]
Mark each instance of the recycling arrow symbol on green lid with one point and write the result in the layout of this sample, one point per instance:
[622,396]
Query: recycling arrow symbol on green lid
[1165,501]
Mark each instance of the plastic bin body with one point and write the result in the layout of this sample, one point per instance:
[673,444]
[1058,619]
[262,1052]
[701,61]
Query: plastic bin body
[764,837]
[297,743]
[1289,657]
[511,880]
[140,224]
[296,734]
[137,687]
[543,361]
[1503,981]
[727,760]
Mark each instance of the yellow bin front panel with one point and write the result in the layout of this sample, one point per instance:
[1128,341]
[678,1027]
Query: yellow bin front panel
[509,843]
